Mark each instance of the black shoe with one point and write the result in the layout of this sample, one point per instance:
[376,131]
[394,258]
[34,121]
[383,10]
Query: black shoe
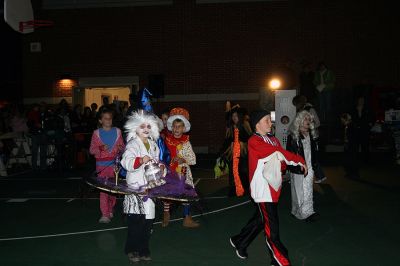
[313,217]
[319,181]
[273,263]
[241,253]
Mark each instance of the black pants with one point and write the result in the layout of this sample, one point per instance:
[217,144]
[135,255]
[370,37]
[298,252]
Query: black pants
[39,146]
[318,171]
[350,160]
[138,234]
[362,141]
[265,218]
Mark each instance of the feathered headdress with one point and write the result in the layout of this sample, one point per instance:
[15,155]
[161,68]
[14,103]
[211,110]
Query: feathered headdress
[138,118]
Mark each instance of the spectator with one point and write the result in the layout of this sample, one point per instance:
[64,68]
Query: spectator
[306,80]
[324,81]
[18,120]
[93,107]
[39,146]
[132,104]
[76,119]
[362,121]
[350,162]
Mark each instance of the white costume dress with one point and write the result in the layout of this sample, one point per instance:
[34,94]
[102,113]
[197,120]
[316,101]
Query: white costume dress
[302,186]
[135,177]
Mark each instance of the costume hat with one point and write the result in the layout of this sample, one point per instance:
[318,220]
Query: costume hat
[179,113]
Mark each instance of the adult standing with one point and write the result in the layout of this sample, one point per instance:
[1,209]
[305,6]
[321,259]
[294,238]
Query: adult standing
[362,121]
[306,82]
[324,81]
[35,123]
[132,105]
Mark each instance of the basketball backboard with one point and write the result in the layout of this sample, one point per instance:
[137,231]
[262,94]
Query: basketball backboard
[19,15]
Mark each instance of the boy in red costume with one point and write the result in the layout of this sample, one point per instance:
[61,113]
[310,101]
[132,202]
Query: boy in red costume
[266,162]
[182,156]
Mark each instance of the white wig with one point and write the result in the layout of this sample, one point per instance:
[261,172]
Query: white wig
[294,128]
[138,118]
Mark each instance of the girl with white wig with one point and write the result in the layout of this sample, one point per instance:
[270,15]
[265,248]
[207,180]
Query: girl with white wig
[302,141]
[142,132]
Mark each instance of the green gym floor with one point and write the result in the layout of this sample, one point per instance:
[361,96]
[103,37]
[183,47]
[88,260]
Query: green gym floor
[46,220]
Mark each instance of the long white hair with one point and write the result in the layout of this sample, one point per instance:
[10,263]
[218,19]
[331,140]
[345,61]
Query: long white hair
[294,128]
[138,118]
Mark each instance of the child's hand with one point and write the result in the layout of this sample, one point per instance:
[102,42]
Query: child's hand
[145,159]
[162,168]
[305,169]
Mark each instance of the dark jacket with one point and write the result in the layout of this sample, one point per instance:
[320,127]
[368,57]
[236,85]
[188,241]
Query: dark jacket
[296,146]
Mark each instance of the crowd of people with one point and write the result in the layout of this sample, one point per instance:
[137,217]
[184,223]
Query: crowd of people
[58,135]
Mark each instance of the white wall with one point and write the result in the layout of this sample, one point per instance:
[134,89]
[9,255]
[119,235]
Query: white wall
[93,95]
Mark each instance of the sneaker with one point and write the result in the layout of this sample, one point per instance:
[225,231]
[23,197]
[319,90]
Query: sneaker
[133,257]
[145,258]
[232,244]
[111,215]
[242,254]
[318,181]
[104,220]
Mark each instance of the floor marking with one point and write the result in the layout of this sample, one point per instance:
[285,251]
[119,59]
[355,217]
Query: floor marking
[17,200]
[117,228]
[216,197]
[56,198]
[213,178]
[19,173]
[197,181]
[41,192]
[96,198]
[34,179]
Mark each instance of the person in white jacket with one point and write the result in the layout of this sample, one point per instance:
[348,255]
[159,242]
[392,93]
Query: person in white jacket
[142,133]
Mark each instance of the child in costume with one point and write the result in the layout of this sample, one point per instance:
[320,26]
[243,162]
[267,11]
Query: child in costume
[266,160]
[302,141]
[301,103]
[106,145]
[142,133]
[235,151]
[182,156]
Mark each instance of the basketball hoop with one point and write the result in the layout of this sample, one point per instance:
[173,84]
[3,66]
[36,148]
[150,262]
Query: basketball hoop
[19,15]
[33,24]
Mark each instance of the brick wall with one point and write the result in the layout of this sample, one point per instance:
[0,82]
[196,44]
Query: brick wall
[213,48]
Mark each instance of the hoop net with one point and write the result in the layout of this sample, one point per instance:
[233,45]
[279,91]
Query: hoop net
[28,26]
